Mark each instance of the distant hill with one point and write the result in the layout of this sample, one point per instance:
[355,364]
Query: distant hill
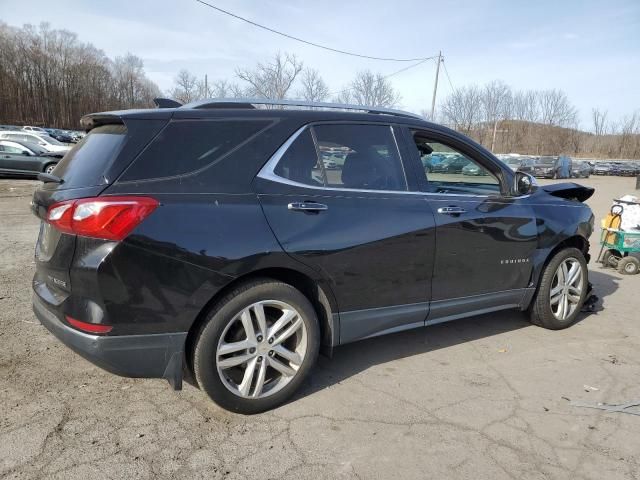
[518,136]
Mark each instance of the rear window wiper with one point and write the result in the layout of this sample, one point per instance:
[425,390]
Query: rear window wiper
[48,178]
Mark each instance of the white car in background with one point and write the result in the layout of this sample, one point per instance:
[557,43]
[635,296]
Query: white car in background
[45,141]
[36,130]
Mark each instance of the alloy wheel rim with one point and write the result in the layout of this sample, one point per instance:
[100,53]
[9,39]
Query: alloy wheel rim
[566,288]
[261,349]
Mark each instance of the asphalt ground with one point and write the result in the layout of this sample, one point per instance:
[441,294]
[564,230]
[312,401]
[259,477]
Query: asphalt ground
[484,397]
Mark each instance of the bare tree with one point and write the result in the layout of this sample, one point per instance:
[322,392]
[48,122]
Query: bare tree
[48,77]
[272,79]
[599,121]
[370,89]
[186,87]
[461,109]
[496,105]
[313,88]
[556,109]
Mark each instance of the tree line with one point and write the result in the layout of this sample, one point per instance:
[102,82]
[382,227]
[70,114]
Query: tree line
[502,119]
[49,77]
[537,122]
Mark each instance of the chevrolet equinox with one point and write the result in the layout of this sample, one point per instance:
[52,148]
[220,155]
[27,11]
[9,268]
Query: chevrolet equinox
[212,238]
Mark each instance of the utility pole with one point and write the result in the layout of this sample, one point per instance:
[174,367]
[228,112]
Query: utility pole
[206,87]
[435,87]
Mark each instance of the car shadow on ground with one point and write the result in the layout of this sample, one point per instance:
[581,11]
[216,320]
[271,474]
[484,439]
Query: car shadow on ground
[351,359]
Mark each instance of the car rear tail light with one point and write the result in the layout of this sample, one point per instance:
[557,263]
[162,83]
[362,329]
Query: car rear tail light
[89,327]
[108,218]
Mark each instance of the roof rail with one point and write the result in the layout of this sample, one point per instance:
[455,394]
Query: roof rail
[251,102]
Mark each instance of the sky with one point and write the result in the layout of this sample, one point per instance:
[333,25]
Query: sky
[589,49]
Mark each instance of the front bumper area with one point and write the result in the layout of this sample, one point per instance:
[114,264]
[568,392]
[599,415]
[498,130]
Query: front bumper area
[140,356]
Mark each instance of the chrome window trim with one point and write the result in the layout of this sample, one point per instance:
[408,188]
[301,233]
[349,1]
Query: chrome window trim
[267,172]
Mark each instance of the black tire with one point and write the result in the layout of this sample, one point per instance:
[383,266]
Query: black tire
[629,266]
[204,356]
[611,258]
[540,312]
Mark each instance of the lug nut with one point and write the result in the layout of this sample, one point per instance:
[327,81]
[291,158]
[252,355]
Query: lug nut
[252,350]
[271,353]
[271,340]
[259,338]
[259,359]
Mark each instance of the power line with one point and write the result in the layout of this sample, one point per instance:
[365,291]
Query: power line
[389,75]
[448,77]
[335,50]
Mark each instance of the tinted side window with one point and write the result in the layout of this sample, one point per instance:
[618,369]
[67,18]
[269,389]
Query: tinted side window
[360,157]
[300,162]
[188,145]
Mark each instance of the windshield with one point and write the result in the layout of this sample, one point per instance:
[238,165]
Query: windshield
[51,140]
[547,161]
[35,148]
[513,161]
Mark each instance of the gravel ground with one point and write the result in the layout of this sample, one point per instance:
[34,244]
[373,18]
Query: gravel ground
[485,397]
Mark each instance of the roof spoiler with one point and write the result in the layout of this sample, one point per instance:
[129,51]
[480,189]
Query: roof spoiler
[166,103]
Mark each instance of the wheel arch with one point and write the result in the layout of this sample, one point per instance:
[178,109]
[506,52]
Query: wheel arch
[573,241]
[44,166]
[321,300]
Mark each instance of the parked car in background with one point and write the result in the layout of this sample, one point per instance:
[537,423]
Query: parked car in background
[602,168]
[25,160]
[451,164]
[546,167]
[520,164]
[60,135]
[474,170]
[45,141]
[514,163]
[580,169]
[626,169]
[36,149]
[36,130]
[239,261]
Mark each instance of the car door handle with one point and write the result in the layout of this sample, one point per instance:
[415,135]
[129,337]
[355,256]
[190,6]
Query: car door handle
[311,207]
[452,210]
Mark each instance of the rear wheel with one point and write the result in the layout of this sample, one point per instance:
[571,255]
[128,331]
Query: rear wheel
[562,290]
[49,168]
[629,266]
[257,346]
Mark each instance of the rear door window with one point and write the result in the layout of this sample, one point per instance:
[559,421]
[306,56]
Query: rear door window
[361,157]
[186,146]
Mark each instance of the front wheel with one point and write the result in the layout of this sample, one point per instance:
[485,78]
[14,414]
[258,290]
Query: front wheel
[257,346]
[49,168]
[562,290]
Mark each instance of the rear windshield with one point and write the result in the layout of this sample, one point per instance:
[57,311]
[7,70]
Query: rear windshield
[84,165]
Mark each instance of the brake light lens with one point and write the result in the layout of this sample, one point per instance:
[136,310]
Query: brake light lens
[108,218]
[88,327]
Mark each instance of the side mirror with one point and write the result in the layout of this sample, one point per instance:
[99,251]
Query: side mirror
[26,152]
[524,184]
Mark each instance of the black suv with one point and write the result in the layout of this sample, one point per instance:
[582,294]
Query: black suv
[211,238]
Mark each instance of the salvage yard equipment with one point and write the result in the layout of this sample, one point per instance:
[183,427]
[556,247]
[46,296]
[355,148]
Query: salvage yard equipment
[621,248]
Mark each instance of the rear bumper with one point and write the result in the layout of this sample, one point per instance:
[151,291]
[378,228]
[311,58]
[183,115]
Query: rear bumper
[142,356]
